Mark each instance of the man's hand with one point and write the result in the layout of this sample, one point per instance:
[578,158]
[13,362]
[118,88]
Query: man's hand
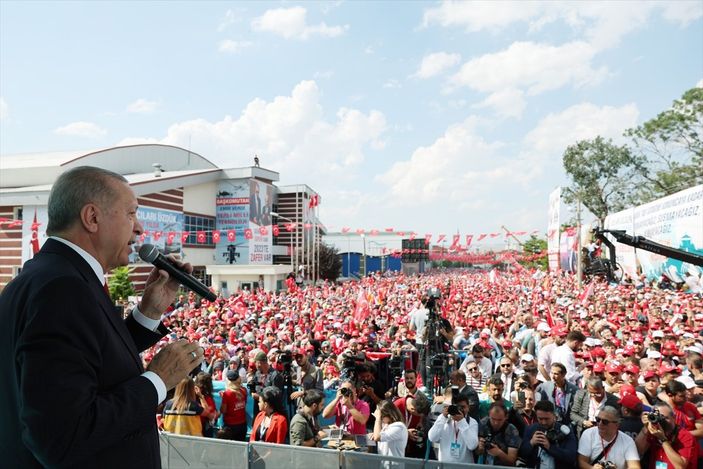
[160,290]
[656,431]
[296,394]
[175,361]
[494,451]
[587,424]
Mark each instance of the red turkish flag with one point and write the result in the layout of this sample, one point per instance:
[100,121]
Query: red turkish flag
[308,226]
[142,237]
[216,236]
[360,231]
[15,224]
[146,232]
[170,237]
[495,235]
[412,236]
[35,235]
[201,237]
[345,229]
[389,230]
[157,235]
[374,232]
[362,309]
[276,230]
[231,235]
[481,236]
[520,233]
[248,234]
[428,238]
[263,231]
[184,236]
[290,226]
[441,238]
[455,240]
[401,233]
[469,238]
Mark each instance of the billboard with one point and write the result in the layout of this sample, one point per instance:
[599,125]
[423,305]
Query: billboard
[162,228]
[243,220]
[675,221]
[553,229]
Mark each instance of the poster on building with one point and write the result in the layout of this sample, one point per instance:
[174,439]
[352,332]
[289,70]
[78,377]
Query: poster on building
[675,221]
[162,228]
[232,222]
[553,229]
[260,244]
[35,219]
[568,250]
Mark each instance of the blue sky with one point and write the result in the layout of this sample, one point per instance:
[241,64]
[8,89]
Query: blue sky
[425,116]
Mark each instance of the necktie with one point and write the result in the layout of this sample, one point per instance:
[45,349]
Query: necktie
[107,290]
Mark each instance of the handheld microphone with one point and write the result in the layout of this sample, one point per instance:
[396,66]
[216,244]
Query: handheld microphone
[150,254]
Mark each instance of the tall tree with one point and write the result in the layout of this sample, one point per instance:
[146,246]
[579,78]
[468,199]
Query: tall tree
[603,175]
[330,263]
[672,145]
[533,246]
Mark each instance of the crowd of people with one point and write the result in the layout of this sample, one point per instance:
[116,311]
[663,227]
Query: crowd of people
[539,373]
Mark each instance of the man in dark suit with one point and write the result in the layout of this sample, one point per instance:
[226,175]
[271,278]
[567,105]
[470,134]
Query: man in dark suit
[73,392]
[588,403]
[559,392]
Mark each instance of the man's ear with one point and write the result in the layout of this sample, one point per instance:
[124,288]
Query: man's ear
[90,216]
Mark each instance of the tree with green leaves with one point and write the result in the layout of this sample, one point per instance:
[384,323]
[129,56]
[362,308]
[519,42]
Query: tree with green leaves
[533,246]
[119,285]
[603,176]
[330,263]
[671,145]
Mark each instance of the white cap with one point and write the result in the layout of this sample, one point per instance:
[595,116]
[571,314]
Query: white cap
[527,357]
[543,326]
[653,354]
[658,334]
[687,381]
[695,349]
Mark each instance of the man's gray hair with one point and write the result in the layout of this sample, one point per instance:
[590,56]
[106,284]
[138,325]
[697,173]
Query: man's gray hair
[595,383]
[612,411]
[73,190]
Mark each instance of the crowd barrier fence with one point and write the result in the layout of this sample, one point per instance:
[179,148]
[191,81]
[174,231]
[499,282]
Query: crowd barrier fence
[191,452]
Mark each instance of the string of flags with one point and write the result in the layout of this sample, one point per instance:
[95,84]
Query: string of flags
[231,235]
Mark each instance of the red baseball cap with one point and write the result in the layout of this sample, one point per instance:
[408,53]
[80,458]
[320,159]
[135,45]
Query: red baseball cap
[650,374]
[598,367]
[626,390]
[634,369]
[613,368]
[631,401]
[665,368]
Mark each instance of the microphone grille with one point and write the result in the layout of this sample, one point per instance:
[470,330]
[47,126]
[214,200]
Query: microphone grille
[148,253]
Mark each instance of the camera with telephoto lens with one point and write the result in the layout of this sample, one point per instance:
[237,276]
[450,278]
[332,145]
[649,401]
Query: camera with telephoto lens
[557,434]
[453,410]
[488,442]
[346,392]
[419,437]
[433,294]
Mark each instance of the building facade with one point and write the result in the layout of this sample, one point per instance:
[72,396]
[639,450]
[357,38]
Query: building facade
[224,221]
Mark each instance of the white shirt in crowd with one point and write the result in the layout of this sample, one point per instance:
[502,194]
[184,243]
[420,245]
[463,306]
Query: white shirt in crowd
[394,437]
[485,365]
[544,358]
[457,440]
[624,449]
[564,355]
[418,317]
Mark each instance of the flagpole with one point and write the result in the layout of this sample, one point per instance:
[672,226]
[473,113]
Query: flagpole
[579,267]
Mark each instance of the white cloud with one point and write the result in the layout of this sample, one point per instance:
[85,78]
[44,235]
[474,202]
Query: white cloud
[583,121]
[290,136]
[291,23]
[434,64]
[142,106]
[508,102]
[392,84]
[81,129]
[535,67]
[232,47]
[602,23]
[4,109]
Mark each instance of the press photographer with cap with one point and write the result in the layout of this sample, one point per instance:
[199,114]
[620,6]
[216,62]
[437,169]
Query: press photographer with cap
[667,442]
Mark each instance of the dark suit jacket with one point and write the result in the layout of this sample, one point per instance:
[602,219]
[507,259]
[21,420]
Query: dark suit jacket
[545,392]
[565,452]
[71,394]
[579,409]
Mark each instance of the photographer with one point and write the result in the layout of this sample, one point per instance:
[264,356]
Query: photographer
[456,434]
[499,440]
[369,389]
[351,413]
[264,376]
[668,443]
[605,446]
[414,410]
[547,444]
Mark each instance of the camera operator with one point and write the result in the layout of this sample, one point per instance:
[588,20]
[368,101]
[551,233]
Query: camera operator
[369,388]
[264,376]
[306,376]
[670,445]
[605,446]
[686,413]
[350,413]
[498,440]
[455,432]
[548,444]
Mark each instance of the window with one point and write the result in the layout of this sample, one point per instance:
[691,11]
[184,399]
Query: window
[17,213]
[195,223]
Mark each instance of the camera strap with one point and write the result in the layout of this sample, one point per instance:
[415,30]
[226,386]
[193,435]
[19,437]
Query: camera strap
[606,450]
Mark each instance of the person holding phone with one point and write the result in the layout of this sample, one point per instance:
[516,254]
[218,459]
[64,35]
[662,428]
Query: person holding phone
[455,432]
[523,414]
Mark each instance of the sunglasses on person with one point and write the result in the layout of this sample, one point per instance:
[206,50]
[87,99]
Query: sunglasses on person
[506,365]
[472,368]
[605,421]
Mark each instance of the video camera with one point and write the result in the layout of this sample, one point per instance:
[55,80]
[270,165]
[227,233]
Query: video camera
[433,295]
[286,361]
[556,434]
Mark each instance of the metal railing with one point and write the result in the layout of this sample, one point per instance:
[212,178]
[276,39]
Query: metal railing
[180,452]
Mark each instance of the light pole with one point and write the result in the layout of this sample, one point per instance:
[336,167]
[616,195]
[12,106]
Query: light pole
[383,245]
[293,247]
